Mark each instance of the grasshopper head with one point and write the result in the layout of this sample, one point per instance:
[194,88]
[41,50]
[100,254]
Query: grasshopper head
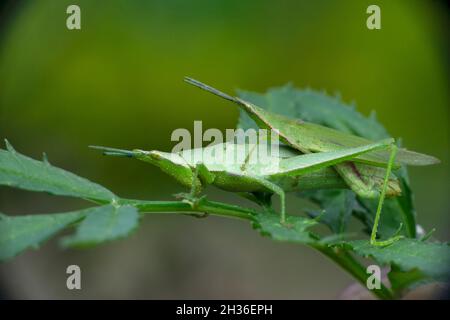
[160,158]
[171,163]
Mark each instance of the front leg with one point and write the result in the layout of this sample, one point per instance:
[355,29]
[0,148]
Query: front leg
[201,177]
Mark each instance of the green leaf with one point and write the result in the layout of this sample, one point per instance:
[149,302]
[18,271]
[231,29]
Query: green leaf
[295,229]
[431,258]
[318,107]
[403,280]
[103,224]
[18,233]
[17,170]
[337,208]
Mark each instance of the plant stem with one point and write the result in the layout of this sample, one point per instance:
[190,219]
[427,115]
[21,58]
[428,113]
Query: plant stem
[339,255]
[204,206]
[345,260]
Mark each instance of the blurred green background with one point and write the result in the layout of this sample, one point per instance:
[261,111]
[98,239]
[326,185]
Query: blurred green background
[118,82]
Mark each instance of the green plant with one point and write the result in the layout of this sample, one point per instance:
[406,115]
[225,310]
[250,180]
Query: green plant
[412,260]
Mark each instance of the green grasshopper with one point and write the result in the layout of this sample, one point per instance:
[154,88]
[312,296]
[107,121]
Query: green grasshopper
[308,165]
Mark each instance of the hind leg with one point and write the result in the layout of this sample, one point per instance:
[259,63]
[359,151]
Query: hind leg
[373,236]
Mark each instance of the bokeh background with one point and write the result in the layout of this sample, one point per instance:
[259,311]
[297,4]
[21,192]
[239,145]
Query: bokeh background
[118,82]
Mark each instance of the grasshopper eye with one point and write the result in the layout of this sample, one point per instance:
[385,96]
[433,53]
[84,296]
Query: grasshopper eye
[154,155]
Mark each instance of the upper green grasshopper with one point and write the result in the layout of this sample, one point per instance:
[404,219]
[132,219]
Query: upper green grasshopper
[316,149]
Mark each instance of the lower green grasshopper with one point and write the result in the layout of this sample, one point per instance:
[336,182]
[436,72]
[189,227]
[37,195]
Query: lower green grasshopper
[307,166]
[292,173]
